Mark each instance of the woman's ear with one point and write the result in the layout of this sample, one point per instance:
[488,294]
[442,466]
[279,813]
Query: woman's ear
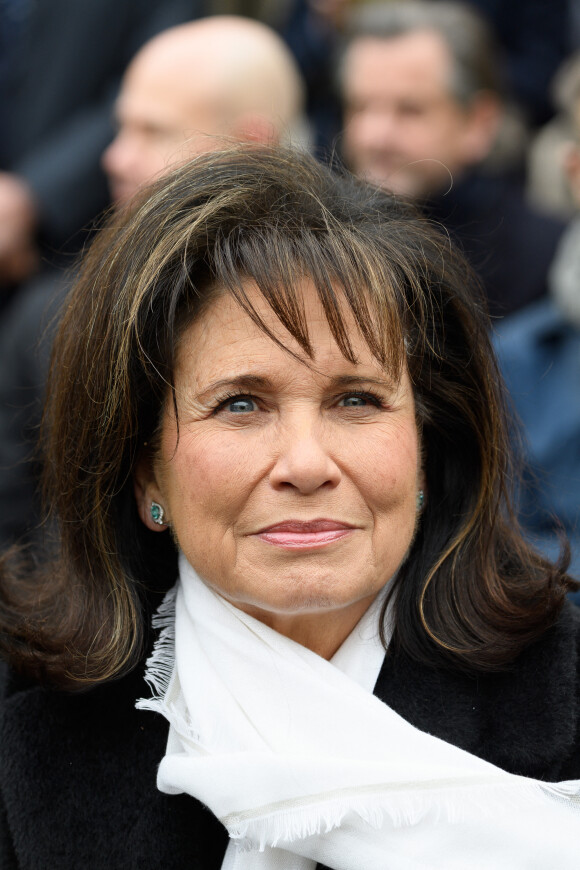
[148,495]
[484,116]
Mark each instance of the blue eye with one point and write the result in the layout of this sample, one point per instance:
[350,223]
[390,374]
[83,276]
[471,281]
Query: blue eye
[358,400]
[241,405]
[353,401]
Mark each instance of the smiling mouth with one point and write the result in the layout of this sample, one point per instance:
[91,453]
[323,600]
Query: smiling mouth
[296,535]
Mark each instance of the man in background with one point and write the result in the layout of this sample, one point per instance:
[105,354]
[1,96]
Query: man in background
[424,112]
[196,87]
[199,87]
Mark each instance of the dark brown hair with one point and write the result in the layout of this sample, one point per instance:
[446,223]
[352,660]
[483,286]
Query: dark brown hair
[470,593]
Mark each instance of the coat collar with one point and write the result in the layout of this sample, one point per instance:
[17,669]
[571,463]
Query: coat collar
[525,720]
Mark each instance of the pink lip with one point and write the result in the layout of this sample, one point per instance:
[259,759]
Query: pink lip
[296,534]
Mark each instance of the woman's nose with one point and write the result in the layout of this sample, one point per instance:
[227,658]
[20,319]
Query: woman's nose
[305,465]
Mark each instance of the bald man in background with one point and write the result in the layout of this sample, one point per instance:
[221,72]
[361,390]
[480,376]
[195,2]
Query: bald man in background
[193,88]
[197,87]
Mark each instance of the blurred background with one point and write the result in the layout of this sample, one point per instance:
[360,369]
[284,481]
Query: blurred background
[471,109]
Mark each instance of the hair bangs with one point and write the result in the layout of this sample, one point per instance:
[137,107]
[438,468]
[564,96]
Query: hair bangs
[346,274]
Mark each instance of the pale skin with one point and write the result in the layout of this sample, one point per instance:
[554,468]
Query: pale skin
[18,219]
[404,127]
[265,439]
[196,88]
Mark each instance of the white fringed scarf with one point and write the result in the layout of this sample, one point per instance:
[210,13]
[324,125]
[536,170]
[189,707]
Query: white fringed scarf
[302,764]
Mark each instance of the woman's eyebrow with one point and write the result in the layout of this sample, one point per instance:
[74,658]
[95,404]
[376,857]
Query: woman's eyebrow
[239,382]
[258,382]
[385,383]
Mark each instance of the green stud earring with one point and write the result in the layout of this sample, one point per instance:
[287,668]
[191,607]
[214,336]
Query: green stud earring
[157,513]
[420,500]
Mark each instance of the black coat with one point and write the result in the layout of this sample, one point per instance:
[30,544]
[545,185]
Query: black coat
[78,771]
[509,243]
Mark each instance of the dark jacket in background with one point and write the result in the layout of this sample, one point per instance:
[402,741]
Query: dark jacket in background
[509,243]
[58,84]
[26,334]
[77,772]
[57,94]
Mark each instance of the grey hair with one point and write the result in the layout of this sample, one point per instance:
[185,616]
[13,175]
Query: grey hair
[475,54]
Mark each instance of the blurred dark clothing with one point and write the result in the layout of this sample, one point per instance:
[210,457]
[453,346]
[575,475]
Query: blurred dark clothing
[510,244]
[539,355]
[57,98]
[26,335]
[56,117]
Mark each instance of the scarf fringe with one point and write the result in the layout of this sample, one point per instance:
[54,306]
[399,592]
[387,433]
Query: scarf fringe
[399,810]
[160,664]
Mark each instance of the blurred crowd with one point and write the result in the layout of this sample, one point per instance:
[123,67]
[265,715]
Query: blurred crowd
[471,109]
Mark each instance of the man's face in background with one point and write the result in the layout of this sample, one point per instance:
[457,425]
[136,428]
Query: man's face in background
[403,128]
[164,117]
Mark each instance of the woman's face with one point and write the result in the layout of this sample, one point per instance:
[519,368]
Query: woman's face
[292,488]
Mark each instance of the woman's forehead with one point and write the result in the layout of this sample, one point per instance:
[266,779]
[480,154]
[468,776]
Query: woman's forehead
[226,339]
